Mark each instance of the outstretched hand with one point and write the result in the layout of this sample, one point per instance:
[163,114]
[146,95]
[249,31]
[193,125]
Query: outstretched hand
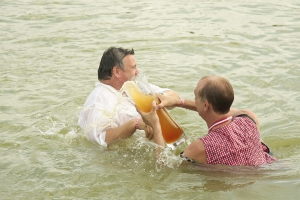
[166,101]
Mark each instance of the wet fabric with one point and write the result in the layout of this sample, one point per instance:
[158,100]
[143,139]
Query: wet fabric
[237,143]
[107,108]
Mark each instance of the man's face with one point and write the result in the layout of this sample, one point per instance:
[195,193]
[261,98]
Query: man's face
[130,68]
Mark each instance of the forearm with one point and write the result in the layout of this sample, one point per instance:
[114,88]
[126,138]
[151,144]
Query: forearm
[121,132]
[189,104]
[167,101]
[186,103]
[171,93]
[158,138]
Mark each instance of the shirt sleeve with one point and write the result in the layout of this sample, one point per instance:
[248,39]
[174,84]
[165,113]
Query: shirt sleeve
[157,89]
[105,111]
[94,123]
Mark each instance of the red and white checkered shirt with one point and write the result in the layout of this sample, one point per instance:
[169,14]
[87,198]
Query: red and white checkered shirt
[237,143]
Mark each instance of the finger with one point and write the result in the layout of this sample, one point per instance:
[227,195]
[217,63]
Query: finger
[153,106]
[160,96]
[159,106]
[151,133]
[147,132]
[150,137]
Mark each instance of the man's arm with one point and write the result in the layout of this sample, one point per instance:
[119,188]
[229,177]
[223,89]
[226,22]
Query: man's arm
[151,119]
[171,93]
[170,101]
[189,104]
[196,151]
[126,130]
[235,112]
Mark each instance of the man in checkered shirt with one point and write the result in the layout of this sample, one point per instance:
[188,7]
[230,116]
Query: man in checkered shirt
[233,137]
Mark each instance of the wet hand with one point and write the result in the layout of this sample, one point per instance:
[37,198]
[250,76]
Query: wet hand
[149,132]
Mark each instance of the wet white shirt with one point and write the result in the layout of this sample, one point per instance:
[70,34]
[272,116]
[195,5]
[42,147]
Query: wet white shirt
[107,108]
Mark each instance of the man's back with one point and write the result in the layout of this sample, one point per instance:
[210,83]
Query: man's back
[237,143]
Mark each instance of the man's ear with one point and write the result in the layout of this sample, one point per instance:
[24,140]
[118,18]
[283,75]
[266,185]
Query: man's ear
[116,71]
[206,105]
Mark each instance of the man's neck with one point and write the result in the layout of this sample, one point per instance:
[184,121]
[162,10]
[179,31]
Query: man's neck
[113,82]
[214,118]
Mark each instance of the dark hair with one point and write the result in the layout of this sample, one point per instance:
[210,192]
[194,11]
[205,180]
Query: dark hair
[218,92]
[112,57]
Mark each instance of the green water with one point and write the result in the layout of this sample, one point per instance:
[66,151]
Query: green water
[49,56]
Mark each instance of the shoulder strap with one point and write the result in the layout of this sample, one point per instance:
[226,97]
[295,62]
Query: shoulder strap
[245,115]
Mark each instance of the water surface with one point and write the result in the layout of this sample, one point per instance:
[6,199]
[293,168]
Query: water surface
[49,55]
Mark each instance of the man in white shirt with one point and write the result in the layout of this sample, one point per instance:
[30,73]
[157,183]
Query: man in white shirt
[108,114]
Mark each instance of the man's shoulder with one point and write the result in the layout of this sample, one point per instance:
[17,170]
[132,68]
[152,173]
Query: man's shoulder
[99,92]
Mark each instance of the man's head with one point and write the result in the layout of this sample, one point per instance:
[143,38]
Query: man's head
[215,91]
[117,62]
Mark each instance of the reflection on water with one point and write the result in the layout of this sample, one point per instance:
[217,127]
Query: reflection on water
[50,52]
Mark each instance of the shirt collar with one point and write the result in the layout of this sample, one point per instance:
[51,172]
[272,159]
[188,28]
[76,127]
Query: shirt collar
[97,84]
